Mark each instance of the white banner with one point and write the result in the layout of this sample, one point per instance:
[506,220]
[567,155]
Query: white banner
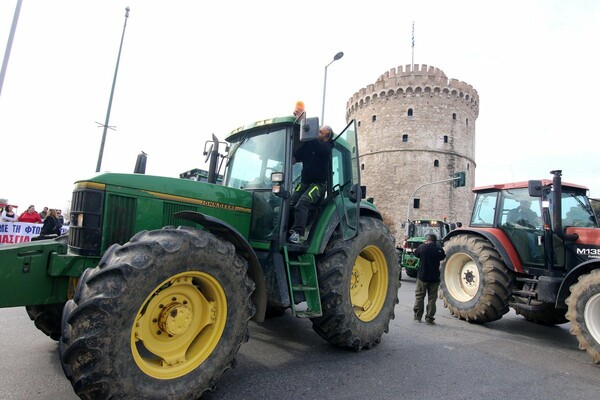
[19,232]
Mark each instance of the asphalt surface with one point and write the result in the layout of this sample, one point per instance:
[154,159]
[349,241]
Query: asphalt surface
[284,358]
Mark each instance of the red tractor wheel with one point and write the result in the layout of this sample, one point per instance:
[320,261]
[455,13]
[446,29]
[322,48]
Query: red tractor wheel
[475,283]
[584,313]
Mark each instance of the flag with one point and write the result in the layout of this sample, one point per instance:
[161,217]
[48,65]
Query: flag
[413,34]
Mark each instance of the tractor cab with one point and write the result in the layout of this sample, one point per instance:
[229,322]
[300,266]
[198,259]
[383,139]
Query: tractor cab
[536,223]
[260,162]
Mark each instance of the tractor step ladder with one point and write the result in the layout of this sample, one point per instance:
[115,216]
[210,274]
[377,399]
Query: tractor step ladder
[309,285]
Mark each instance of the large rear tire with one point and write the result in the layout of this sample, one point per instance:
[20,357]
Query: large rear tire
[46,318]
[475,283]
[358,281]
[161,317]
[584,313]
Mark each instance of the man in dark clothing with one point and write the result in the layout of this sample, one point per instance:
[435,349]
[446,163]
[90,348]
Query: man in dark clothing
[315,156]
[428,278]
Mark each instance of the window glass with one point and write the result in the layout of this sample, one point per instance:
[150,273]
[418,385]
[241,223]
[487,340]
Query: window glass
[253,159]
[484,208]
[576,211]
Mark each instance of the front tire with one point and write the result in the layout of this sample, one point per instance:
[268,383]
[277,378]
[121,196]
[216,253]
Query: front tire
[584,313]
[46,318]
[475,283]
[358,281]
[161,317]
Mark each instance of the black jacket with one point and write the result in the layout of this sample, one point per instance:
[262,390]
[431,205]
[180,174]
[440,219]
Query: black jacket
[315,156]
[51,226]
[430,255]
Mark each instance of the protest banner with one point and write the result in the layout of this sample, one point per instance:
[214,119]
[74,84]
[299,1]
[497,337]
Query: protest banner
[20,232]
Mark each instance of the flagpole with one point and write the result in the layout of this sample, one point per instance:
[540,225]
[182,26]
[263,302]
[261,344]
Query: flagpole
[11,37]
[112,92]
[412,63]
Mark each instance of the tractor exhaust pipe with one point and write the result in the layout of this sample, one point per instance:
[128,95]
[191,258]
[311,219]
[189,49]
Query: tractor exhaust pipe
[140,164]
[213,155]
[557,211]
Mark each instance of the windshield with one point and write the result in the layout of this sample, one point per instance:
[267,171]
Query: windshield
[576,211]
[253,159]
[424,228]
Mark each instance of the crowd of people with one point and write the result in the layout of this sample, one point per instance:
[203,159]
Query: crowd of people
[52,219]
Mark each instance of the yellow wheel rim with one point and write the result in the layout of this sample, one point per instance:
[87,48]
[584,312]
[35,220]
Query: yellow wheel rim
[179,325]
[369,283]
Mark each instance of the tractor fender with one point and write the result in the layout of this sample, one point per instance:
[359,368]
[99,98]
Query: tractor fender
[334,221]
[572,277]
[498,239]
[225,231]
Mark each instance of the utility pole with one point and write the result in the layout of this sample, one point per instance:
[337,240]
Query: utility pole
[112,92]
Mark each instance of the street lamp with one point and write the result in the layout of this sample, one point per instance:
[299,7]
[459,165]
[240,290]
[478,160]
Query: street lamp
[112,92]
[335,58]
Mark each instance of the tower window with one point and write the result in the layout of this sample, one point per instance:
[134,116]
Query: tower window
[453,115]
[445,138]
[416,203]
[467,121]
[362,167]
[436,163]
[374,118]
[359,123]
[404,138]
[410,112]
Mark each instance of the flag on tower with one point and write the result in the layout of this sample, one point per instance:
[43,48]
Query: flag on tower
[413,34]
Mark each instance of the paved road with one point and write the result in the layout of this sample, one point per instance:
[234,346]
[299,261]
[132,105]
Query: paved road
[510,358]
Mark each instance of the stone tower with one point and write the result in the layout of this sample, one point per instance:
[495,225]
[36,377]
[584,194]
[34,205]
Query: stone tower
[416,126]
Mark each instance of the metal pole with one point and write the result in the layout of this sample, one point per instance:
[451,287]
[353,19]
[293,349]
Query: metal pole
[11,37]
[112,91]
[422,186]
[335,58]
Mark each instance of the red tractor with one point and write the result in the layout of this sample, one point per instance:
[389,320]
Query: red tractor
[533,246]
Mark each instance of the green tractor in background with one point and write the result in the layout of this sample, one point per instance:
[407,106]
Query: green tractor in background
[417,232]
[151,292]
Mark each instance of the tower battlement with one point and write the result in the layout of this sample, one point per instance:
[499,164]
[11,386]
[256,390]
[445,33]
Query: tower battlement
[417,80]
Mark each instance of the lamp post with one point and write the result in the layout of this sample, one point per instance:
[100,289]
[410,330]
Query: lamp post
[112,91]
[335,58]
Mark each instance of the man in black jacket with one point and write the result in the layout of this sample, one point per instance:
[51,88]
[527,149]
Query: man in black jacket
[315,156]
[428,278]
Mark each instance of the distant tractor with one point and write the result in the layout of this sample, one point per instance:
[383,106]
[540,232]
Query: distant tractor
[151,292]
[416,236]
[533,246]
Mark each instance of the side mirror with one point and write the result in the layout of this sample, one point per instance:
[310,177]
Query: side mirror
[354,194]
[535,188]
[309,129]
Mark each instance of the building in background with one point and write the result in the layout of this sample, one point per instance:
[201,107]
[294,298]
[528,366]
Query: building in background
[416,126]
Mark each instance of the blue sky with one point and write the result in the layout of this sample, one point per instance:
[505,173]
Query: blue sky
[190,69]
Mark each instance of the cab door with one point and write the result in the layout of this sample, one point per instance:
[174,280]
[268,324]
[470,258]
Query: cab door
[346,179]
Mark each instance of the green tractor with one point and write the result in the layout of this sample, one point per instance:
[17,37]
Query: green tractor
[416,236]
[151,292]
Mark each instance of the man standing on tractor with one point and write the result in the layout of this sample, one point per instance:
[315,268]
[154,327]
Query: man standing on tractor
[315,156]
[428,278]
